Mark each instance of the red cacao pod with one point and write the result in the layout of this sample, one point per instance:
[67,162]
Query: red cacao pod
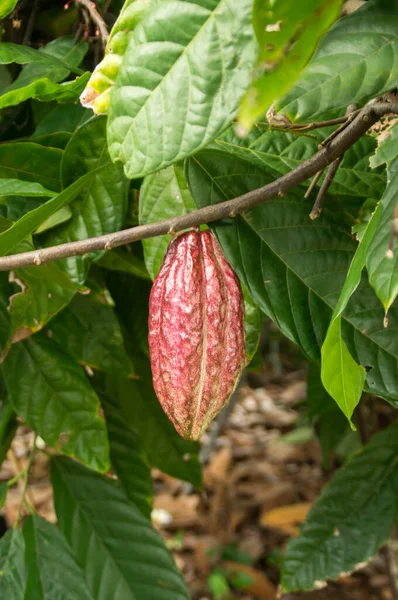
[196,332]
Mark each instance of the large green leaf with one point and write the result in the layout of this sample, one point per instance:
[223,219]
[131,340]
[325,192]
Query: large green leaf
[62,117]
[98,91]
[50,391]
[142,412]
[12,570]
[183,74]
[102,207]
[16,187]
[52,571]
[295,268]
[89,331]
[356,60]
[127,456]
[31,162]
[288,32]
[352,518]
[163,195]
[6,7]
[278,152]
[122,555]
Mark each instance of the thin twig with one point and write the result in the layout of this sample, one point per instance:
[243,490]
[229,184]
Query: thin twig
[313,183]
[320,124]
[96,18]
[30,24]
[326,183]
[369,115]
[350,115]
[26,481]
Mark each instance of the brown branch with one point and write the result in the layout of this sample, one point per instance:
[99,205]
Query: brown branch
[319,124]
[368,116]
[96,18]
[326,183]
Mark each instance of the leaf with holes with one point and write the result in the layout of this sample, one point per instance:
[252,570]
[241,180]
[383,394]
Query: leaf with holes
[185,69]
[50,391]
[295,268]
[356,60]
[102,207]
[351,520]
[96,509]
[52,570]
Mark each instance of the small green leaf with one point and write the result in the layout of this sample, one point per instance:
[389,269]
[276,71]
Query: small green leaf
[16,187]
[163,195]
[188,94]
[29,222]
[6,7]
[363,42]
[50,391]
[121,259]
[12,569]
[89,331]
[45,90]
[3,494]
[62,117]
[351,520]
[138,565]
[287,32]
[32,162]
[52,568]
[8,423]
[46,57]
[127,456]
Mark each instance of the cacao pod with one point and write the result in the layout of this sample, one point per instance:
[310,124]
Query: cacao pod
[196,332]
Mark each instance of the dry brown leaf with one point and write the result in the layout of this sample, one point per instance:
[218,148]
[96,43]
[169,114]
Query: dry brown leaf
[286,518]
[261,586]
[183,509]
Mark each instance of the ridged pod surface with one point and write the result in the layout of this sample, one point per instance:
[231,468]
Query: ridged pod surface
[196,332]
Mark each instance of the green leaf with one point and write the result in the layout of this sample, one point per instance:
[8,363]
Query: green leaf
[138,565]
[278,152]
[128,459]
[121,259]
[342,376]
[62,117]
[142,412]
[54,59]
[253,324]
[163,195]
[287,32]
[45,90]
[98,91]
[185,70]
[6,7]
[295,268]
[45,290]
[102,207]
[31,162]
[16,187]
[3,494]
[351,520]
[32,220]
[12,570]
[381,260]
[52,568]
[50,391]
[61,216]
[89,331]
[355,61]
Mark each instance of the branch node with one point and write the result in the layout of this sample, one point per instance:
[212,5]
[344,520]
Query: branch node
[37,259]
[281,194]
